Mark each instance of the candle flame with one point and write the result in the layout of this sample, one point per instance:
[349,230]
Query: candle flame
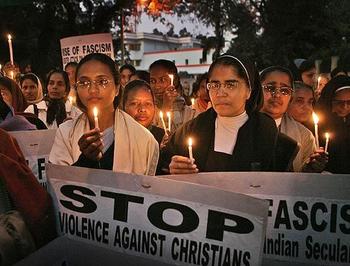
[161,114]
[315,117]
[95,111]
[327,135]
[189,141]
[192,101]
[9,37]
[168,114]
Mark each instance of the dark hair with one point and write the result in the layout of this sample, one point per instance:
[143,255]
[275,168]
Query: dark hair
[171,68]
[129,67]
[19,103]
[306,66]
[282,69]
[71,64]
[64,75]
[30,76]
[143,75]
[247,71]
[133,86]
[197,83]
[106,60]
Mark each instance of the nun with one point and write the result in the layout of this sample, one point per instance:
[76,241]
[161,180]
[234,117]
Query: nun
[232,135]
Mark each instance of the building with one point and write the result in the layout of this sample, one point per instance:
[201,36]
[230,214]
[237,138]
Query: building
[185,52]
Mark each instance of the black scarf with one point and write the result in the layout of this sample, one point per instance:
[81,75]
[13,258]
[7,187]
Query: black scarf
[56,110]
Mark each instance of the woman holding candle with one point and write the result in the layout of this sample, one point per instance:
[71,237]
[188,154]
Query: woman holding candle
[233,135]
[278,89]
[169,97]
[302,104]
[119,143]
[55,108]
[138,102]
[333,109]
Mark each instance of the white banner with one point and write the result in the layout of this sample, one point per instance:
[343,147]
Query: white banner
[36,146]
[73,49]
[309,214]
[165,220]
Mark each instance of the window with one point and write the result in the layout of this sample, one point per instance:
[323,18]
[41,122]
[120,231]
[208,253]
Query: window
[134,47]
[186,61]
[137,63]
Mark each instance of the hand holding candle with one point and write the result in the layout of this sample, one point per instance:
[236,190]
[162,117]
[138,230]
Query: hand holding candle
[10,49]
[190,153]
[327,142]
[95,111]
[315,118]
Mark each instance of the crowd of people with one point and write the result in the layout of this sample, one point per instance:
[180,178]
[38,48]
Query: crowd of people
[240,119]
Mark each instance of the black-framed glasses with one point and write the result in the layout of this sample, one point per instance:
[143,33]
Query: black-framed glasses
[273,89]
[86,84]
[229,85]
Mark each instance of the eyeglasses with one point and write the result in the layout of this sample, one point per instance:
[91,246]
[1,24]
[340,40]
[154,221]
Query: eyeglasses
[215,86]
[273,89]
[86,84]
[341,102]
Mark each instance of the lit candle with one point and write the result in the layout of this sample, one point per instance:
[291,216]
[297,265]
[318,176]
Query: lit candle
[70,98]
[190,149]
[12,75]
[10,48]
[95,111]
[318,82]
[327,142]
[168,114]
[163,122]
[315,118]
[171,76]
[192,102]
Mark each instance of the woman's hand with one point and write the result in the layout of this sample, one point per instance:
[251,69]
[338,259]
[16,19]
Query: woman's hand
[169,97]
[91,145]
[317,161]
[182,165]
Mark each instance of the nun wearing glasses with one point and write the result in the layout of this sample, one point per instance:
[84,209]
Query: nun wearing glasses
[277,83]
[233,135]
[115,141]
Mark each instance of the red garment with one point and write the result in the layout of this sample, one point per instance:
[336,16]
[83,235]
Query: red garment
[27,195]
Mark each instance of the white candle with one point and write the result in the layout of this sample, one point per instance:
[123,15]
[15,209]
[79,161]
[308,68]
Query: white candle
[171,76]
[163,122]
[95,111]
[315,118]
[10,49]
[327,142]
[190,153]
[318,82]
[168,114]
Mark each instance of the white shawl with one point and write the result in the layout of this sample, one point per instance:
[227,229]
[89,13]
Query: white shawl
[135,149]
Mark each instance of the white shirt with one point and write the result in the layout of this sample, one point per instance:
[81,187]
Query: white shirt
[226,130]
[278,121]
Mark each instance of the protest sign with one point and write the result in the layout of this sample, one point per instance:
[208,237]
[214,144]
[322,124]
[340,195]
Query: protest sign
[309,214]
[36,146]
[74,48]
[168,221]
